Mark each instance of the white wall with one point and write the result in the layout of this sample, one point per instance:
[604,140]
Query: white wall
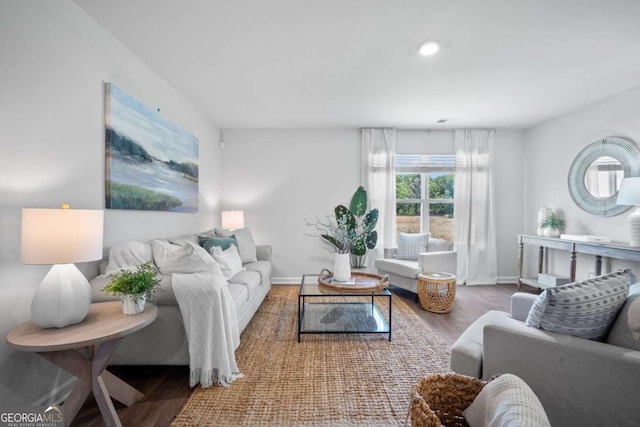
[549,152]
[54,62]
[282,177]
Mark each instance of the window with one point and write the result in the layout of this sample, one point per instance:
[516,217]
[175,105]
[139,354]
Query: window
[424,194]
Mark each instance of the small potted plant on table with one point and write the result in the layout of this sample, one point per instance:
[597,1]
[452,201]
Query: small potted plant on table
[134,287]
[553,226]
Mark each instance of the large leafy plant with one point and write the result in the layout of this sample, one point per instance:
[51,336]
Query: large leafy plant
[354,227]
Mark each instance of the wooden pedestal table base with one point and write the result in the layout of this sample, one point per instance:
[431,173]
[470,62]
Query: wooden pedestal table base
[84,350]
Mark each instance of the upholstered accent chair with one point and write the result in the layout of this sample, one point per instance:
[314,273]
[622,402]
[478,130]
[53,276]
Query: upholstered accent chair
[403,273]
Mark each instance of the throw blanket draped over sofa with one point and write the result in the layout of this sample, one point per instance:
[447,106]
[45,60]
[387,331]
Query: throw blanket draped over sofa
[207,297]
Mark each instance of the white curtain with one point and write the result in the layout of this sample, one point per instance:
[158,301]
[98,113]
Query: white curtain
[474,208]
[378,179]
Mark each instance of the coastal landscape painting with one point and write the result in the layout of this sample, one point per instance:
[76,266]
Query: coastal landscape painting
[151,164]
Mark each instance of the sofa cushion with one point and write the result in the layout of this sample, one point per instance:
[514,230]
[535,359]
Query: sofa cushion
[228,259]
[400,267]
[128,255]
[584,309]
[248,279]
[625,331]
[239,294]
[246,244]
[187,238]
[208,242]
[506,401]
[438,245]
[188,258]
[261,267]
[410,245]
[466,352]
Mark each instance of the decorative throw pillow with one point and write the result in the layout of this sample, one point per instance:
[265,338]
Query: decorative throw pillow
[229,260]
[209,242]
[585,309]
[188,258]
[128,255]
[410,245]
[625,331]
[506,401]
[246,244]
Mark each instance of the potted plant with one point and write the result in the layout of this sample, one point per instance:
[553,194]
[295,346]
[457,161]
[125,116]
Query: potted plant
[134,287]
[350,234]
[553,226]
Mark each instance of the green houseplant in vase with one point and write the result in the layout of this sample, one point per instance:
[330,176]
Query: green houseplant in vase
[134,287]
[553,226]
[353,233]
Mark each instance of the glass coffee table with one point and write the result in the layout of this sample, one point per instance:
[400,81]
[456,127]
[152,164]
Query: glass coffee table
[325,310]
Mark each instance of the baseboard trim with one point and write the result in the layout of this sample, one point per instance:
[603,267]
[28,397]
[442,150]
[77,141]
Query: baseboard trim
[506,280]
[286,280]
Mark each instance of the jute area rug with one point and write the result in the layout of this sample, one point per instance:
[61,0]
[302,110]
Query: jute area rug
[326,380]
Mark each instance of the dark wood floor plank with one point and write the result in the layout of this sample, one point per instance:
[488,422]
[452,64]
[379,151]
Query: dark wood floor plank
[166,388]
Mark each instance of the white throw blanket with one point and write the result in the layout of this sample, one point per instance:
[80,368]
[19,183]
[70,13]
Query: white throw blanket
[211,324]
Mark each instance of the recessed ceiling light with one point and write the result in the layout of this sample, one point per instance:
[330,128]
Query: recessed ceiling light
[429,47]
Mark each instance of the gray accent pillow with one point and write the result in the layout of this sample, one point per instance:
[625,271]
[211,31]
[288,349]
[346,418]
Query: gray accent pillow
[208,242]
[410,245]
[506,401]
[625,331]
[246,244]
[584,309]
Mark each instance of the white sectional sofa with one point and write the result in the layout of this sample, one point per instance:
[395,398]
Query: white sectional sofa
[164,342]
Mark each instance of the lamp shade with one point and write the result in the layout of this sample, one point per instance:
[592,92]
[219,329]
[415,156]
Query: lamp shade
[232,220]
[61,236]
[629,192]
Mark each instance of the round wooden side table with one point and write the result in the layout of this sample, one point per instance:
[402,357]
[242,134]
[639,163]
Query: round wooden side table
[84,350]
[437,291]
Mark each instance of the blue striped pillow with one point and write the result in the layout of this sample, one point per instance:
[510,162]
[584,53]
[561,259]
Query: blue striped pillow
[410,245]
[584,309]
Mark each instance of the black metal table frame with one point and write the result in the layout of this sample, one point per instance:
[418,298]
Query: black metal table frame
[339,294]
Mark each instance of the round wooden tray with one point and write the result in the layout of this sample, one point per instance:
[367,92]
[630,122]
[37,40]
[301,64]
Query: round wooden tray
[363,282]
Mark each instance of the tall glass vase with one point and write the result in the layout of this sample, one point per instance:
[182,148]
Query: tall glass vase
[342,267]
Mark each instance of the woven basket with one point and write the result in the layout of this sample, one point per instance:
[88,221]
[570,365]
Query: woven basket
[437,294]
[440,399]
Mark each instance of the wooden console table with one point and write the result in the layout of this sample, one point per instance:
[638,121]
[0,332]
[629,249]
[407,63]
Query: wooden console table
[600,250]
[84,350]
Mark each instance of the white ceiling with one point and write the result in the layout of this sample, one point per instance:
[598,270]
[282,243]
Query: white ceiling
[353,63]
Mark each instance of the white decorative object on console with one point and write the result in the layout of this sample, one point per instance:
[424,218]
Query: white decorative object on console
[629,194]
[61,237]
[543,214]
[586,238]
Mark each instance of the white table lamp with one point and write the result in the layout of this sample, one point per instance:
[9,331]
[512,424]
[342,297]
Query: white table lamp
[232,220]
[61,237]
[629,194]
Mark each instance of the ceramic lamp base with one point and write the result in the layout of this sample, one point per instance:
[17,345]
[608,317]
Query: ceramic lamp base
[634,228]
[63,298]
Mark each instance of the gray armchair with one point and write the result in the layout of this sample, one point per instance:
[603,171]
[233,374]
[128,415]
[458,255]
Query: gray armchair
[580,382]
[403,273]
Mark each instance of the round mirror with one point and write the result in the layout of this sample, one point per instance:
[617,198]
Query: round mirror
[596,173]
[603,176]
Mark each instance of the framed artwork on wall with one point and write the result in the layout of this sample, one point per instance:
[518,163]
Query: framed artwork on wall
[151,164]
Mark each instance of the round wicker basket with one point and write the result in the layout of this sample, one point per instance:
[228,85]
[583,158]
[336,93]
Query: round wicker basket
[437,291]
[440,399]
